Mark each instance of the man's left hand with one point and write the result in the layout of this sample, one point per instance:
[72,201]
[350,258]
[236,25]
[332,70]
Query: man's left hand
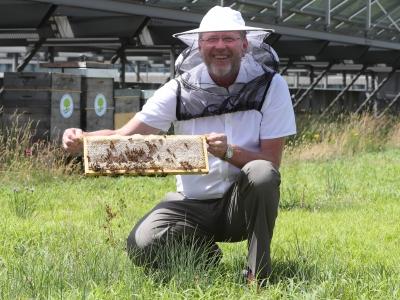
[217,144]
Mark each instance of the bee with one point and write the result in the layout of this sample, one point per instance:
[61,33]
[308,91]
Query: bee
[112,145]
[96,167]
[108,155]
[186,165]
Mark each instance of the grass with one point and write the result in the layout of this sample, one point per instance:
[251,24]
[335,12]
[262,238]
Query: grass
[63,235]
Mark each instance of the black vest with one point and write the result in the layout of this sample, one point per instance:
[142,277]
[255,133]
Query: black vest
[195,102]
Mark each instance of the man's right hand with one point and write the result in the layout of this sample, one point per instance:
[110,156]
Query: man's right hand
[72,140]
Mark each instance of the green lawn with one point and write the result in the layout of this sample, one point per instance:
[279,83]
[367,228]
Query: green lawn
[337,236]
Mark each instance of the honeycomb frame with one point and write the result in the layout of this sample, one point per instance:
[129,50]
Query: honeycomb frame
[145,154]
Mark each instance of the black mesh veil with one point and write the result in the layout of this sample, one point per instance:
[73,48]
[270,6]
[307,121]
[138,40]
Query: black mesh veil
[197,99]
[262,52]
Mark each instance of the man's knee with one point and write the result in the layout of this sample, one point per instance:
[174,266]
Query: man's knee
[152,237]
[135,247]
[152,232]
[135,242]
[142,240]
[261,174]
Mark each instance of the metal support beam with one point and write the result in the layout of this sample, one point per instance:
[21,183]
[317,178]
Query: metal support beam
[51,54]
[393,10]
[122,70]
[30,54]
[279,11]
[120,52]
[339,7]
[327,14]
[138,78]
[291,11]
[15,62]
[283,71]
[394,23]
[125,42]
[380,85]
[312,74]
[397,97]
[368,17]
[87,42]
[343,91]
[129,9]
[300,90]
[39,43]
[185,16]
[373,81]
[314,84]
[172,62]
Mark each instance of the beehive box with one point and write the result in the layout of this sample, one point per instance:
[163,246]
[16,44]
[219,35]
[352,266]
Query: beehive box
[98,103]
[66,109]
[145,154]
[50,102]
[127,104]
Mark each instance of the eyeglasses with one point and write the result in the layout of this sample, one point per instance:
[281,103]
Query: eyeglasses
[214,40]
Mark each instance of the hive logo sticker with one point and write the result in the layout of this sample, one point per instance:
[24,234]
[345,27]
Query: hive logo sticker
[66,106]
[100,105]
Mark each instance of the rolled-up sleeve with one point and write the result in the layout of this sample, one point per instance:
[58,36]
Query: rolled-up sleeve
[160,109]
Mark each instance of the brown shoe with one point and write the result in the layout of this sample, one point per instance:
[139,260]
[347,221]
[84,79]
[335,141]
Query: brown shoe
[249,276]
[251,279]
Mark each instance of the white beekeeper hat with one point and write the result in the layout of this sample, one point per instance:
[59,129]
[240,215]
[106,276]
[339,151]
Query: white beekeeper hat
[222,19]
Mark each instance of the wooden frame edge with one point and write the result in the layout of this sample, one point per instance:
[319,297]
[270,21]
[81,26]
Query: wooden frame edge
[85,156]
[88,172]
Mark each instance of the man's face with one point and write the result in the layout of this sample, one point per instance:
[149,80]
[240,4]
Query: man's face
[222,52]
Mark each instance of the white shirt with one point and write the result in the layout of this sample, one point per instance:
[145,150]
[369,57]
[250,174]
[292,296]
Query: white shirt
[243,128]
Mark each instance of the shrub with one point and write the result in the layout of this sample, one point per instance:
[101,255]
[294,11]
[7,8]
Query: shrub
[343,135]
[19,152]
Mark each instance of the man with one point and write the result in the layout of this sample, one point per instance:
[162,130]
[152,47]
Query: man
[245,111]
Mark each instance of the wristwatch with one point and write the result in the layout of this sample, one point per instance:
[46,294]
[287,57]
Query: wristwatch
[229,152]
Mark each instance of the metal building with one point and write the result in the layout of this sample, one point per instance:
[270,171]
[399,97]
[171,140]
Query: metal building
[335,54]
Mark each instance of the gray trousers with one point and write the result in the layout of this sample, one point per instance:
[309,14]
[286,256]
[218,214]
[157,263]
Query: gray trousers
[247,211]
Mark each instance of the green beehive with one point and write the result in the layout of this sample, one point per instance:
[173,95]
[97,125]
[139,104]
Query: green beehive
[50,102]
[98,103]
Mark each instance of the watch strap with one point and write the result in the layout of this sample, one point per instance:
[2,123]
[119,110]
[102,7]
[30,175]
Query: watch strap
[229,152]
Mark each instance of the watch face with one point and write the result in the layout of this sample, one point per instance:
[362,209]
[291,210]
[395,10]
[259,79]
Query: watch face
[229,152]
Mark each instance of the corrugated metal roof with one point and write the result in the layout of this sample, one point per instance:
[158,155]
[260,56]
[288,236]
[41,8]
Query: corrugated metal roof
[347,17]
[326,30]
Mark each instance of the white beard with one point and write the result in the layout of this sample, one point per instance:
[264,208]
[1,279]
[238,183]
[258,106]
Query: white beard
[220,72]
